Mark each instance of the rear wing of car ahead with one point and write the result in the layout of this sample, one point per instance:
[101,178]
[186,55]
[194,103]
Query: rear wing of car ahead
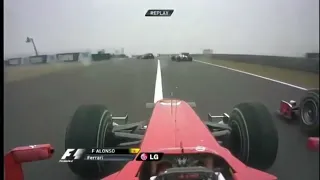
[13,159]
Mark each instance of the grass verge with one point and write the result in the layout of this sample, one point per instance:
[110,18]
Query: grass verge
[25,72]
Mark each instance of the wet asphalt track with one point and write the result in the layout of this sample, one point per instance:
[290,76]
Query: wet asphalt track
[38,110]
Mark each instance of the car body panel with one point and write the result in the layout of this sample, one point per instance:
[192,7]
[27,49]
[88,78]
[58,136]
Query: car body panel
[174,128]
[175,125]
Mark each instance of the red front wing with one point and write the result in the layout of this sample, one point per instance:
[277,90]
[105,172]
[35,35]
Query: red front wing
[13,160]
[287,110]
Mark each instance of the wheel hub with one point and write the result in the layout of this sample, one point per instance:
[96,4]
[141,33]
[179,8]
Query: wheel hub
[309,112]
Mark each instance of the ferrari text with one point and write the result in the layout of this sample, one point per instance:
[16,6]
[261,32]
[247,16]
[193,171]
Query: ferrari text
[94,158]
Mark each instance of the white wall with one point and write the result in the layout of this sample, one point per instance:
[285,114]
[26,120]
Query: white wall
[15,61]
[65,57]
[37,59]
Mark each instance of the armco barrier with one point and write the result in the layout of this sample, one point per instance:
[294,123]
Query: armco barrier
[302,64]
[100,57]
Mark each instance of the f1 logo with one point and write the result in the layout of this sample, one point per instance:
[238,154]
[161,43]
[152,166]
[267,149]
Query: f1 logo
[72,154]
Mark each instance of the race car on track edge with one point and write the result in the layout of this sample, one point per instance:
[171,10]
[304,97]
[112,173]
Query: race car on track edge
[307,112]
[238,146]
[146,56]
[182,57]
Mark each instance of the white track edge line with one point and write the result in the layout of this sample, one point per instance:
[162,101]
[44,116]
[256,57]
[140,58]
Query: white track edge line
[255,75]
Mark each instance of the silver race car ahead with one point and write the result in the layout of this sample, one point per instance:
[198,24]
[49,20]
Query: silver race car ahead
[182,57]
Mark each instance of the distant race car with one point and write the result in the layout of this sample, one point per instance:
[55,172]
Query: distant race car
[223,147]
[147,56]
[182,57]
[307,112]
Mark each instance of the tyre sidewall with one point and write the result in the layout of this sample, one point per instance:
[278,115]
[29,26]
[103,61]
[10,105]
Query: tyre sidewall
[89,130]
[312,96]
[242,128]
[258,136]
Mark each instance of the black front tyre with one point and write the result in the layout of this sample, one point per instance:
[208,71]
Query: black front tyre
[254,137]
[91,127]
[309,112]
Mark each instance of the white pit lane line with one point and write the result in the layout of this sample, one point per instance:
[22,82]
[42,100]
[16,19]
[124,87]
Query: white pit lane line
[255,75]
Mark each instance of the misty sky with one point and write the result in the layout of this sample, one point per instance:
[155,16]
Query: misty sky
[270,27]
